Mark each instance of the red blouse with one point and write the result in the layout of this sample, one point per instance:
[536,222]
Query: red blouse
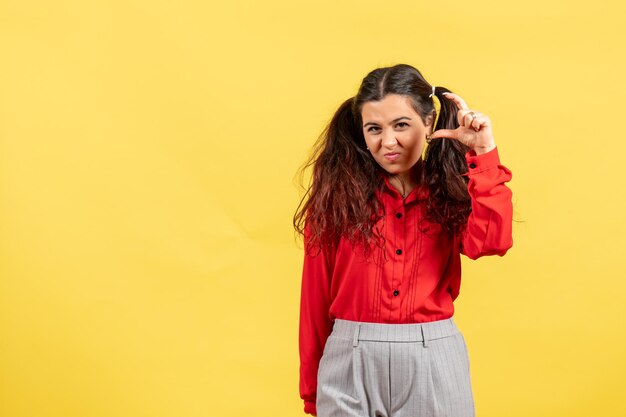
[422,274]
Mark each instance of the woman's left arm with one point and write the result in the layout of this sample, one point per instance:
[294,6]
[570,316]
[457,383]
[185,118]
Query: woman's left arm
[489,226]
[488,230]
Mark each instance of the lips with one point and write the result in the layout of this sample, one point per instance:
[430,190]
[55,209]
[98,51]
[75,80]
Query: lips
[392,156]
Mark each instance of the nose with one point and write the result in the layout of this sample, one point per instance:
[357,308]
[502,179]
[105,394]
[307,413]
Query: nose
[389,140]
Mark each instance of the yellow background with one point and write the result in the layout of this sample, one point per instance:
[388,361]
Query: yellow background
[148,152]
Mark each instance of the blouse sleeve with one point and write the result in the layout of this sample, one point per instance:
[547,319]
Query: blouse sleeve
[315,322]
[489,226]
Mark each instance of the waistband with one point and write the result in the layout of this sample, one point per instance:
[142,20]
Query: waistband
[394,332]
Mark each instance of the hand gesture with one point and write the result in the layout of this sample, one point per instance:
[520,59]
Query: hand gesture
[474,127]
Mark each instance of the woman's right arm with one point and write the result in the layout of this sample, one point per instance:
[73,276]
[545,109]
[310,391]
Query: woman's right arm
[315,324]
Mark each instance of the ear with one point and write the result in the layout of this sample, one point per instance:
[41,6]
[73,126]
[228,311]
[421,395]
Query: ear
[430,120]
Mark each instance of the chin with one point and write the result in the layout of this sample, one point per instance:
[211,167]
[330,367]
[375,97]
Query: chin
[393,169]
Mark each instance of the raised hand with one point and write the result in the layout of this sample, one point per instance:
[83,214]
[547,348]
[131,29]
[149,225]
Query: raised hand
[474,127]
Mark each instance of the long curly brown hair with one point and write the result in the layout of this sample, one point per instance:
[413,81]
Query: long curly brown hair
[341,199]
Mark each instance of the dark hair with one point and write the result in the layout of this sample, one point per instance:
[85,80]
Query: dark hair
[342,197]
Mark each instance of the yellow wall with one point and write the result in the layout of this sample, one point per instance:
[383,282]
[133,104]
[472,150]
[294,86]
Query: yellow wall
[147,159]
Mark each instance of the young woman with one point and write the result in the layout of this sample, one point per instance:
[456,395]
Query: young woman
[406,178]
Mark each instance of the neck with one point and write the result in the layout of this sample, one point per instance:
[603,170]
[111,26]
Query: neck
[405,182]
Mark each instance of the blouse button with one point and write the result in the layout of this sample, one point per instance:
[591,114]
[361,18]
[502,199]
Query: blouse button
[396,292]
[399,251]
[472,165]
[398,215]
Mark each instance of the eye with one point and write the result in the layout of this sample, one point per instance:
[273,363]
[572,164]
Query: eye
[370,129]
[402,123]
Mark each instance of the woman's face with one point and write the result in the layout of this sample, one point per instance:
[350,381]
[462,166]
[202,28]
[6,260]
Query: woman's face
[394,133]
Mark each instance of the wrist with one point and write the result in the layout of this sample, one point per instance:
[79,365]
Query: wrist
[484,148]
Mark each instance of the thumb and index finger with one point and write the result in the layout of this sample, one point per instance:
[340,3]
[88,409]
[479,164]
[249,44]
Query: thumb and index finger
[451,133]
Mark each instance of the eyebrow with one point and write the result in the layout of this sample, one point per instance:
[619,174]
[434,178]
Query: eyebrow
[393,121]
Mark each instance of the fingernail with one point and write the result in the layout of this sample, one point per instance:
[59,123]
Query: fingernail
[444,93]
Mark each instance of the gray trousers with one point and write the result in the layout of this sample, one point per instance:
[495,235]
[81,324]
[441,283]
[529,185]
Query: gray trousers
[395,370]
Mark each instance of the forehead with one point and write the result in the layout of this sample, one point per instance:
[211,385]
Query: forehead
[389,108]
